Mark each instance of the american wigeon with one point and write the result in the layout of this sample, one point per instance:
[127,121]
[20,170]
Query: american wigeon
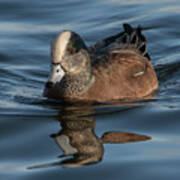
[117,68]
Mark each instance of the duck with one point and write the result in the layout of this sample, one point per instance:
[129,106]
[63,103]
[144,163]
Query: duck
[115,68]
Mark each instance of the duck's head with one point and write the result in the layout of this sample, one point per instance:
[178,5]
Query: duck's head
[68,57]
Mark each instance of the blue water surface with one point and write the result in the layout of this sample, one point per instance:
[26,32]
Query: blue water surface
[30,124]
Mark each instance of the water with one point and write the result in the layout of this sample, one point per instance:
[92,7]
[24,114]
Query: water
[31,126]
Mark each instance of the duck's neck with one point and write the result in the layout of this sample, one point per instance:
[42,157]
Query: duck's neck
[75,85]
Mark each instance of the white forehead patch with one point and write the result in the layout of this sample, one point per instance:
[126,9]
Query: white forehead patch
[59,45]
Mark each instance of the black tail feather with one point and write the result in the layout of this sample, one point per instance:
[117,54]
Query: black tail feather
[127,28]
[133,37]
[129,38]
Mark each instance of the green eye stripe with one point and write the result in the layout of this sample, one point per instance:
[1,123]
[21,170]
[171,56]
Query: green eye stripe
[71,48]
[75,44]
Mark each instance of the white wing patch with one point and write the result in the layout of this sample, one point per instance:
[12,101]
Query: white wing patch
[138,73]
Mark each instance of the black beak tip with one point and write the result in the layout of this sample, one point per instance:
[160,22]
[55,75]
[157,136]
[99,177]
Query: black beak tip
[49,84]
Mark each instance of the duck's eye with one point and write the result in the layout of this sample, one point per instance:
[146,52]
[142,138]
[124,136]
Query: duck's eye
[57,70]
[71,50]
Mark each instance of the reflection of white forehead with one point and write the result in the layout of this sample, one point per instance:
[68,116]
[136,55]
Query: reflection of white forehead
[64,142]
[59,46]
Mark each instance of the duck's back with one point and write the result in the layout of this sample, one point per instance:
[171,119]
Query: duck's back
[122,69]
[127,76]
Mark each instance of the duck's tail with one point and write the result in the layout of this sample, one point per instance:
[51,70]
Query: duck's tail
[133,38]
[130,38]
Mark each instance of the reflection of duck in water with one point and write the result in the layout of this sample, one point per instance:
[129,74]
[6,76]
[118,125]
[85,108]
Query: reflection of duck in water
[118,67]
[78,139]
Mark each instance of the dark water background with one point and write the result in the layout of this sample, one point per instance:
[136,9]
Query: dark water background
[27,120]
